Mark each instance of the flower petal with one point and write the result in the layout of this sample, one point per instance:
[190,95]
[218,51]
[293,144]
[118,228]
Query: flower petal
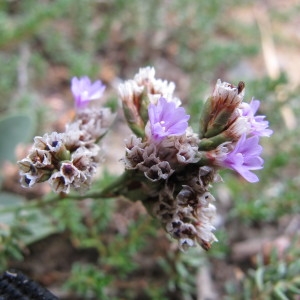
[166,119]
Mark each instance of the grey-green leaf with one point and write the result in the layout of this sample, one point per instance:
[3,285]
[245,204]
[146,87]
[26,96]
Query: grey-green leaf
[14,129]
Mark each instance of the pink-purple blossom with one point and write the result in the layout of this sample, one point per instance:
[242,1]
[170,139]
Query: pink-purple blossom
[166,119]
[245,157]
[258,126]
[84,91]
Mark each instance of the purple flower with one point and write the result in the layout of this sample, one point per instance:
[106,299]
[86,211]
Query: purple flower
[166,119]
[84,91]
[245,157]
[258,126]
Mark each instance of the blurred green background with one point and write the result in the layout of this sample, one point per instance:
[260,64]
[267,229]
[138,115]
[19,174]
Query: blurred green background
[97,249]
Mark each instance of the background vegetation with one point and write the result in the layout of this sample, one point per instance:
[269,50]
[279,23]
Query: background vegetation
[97,249]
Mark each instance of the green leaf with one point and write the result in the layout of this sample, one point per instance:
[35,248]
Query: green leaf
[259,279]
[14,129]
[280,294]
[39,225]
[36,223]
[294,289]
[8,199]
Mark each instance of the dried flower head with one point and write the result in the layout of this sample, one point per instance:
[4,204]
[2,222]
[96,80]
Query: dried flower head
[187,216]
[172,168]
[63,163]
[174,187]
[92,124]
[69,159]
[168,166]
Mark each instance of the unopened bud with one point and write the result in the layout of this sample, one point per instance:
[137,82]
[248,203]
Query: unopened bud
[219,109]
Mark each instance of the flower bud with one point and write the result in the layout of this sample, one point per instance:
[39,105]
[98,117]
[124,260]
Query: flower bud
[219,109]
[131,96]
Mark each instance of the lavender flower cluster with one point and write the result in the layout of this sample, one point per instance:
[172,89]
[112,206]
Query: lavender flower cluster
[168,166]
[179,165]
[70,159]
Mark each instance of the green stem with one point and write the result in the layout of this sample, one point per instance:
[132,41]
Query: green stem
[112,190]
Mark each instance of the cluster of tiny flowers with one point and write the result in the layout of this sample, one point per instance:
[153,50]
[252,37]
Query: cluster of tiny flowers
[70,159]
[163,153]
[187,215]
[238,139]
[176,165]
[168,166]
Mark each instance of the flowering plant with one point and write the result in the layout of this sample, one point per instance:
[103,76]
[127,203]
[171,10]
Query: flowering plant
[168,166]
